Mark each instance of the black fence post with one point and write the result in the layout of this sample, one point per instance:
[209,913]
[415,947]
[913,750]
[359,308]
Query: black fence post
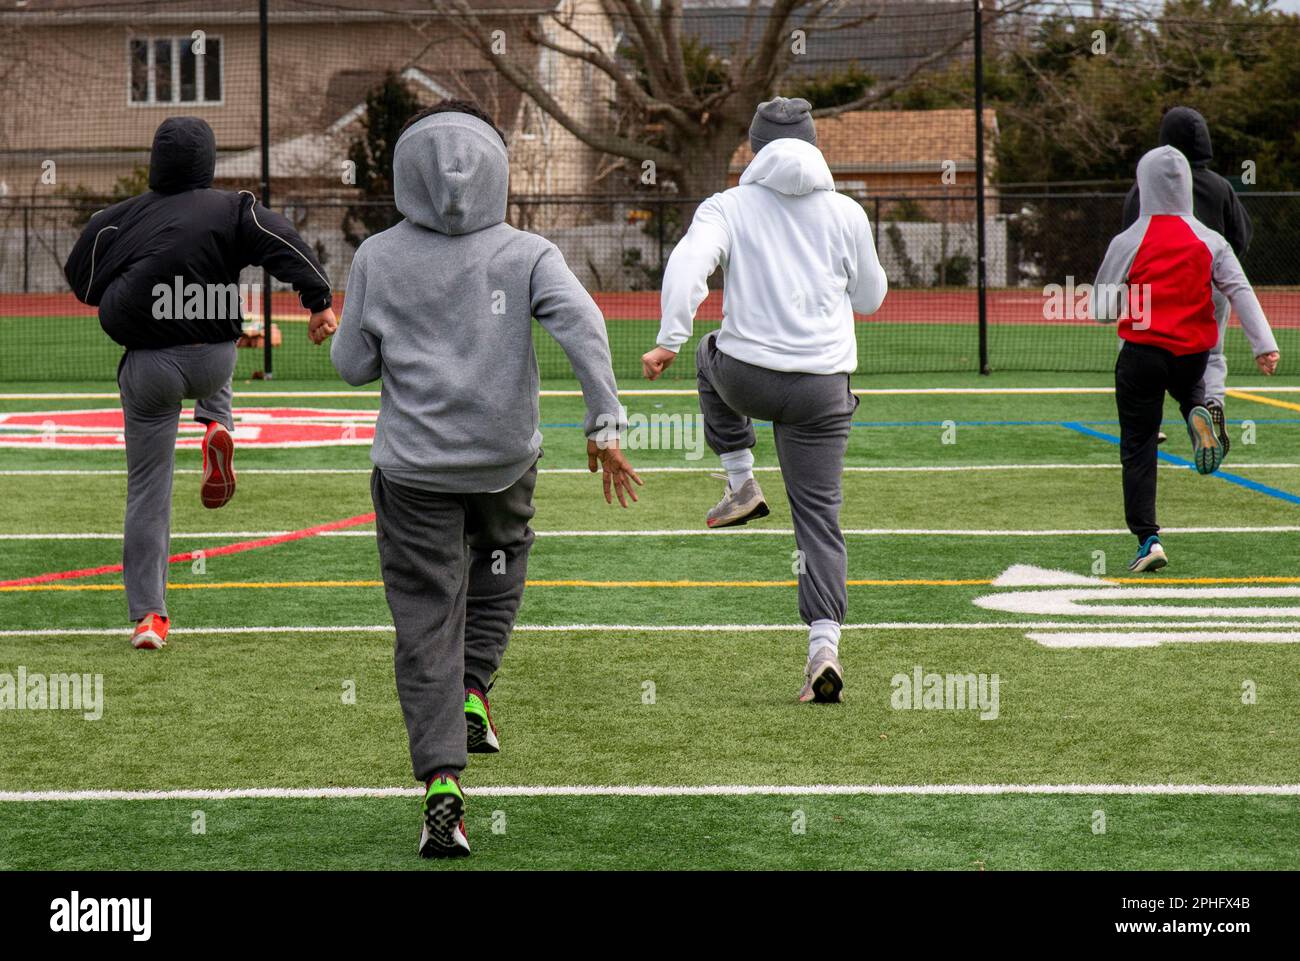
[267,360]
[981,252]
[659,232]
[27,250]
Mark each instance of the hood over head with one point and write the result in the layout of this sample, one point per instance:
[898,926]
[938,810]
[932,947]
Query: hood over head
[184,155]
[451,174]
[1186,129]
[789,166]
[1164,183]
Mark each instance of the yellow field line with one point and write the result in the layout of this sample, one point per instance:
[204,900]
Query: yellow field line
[1262,579]
[904,582]
[1260,399]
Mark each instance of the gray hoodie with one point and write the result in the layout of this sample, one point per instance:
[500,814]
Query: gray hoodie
[439,308]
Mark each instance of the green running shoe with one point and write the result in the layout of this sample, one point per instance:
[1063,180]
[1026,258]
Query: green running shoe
[443,832]
[480,732]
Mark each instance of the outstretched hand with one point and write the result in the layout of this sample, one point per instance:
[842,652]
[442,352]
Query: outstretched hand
[618,474]
[323,323]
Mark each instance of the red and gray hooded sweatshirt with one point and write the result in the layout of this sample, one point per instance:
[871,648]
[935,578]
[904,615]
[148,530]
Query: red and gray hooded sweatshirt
[1158,276]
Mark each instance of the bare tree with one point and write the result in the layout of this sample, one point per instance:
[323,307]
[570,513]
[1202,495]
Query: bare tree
[677,104]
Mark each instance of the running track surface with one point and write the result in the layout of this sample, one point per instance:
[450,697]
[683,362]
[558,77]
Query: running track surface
[1006,307]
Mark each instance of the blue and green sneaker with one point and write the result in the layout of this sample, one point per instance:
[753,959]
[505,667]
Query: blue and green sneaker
[1150,556]
[443,832]
[1206,446]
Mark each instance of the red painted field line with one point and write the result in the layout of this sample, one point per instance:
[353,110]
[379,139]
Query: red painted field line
[236,548]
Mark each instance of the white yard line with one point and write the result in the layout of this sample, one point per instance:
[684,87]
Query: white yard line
[690,532]
[658,790]
[892,469]
[649,392]
[663,628]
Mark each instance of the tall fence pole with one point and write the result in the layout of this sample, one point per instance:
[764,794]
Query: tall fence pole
[27,250]
[980,240]
[267,360]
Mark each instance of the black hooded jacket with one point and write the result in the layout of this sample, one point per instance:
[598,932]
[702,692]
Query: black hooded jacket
[184,228]
[1214,202]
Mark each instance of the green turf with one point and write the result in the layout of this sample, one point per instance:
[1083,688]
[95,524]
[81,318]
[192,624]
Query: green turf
[74,348]
[927,833]
[237,711]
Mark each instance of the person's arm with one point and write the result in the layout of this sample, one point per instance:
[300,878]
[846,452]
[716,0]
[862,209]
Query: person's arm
[867,282]
[1231,280]
[686,283]
[1108,298]
[86,270]
[564,308]
[1132,208]
[268,240]
[355,351]
[1237,227]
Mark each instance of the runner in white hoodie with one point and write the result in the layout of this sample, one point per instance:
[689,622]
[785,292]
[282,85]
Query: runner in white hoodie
[797,259]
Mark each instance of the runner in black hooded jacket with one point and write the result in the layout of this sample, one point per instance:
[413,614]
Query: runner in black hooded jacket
[182,227]
[129,262]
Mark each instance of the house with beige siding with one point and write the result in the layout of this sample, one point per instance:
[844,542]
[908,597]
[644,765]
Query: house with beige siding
[85,84]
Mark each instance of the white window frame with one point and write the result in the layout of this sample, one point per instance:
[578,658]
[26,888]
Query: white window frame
[200,79]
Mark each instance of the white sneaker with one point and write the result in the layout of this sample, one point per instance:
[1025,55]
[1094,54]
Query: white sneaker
[823,679]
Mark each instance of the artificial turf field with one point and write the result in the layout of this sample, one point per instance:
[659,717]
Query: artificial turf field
[647,701]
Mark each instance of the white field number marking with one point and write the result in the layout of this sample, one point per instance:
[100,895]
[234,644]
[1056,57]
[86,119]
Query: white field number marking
[1068,595]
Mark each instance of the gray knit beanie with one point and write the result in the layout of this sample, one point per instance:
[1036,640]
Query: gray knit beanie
[778,118]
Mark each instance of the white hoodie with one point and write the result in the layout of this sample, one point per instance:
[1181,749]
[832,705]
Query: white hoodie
[797,261]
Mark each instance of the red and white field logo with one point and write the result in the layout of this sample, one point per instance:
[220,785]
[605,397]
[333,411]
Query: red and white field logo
[254,427]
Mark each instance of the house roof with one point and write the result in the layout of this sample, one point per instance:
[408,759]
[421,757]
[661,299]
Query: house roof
[316,153]
[345,93]
[889,141]
[885,45]
[235,10]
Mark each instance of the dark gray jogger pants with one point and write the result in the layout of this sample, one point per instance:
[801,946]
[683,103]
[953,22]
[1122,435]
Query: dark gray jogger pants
[453,567]
[811,415]
[153,383]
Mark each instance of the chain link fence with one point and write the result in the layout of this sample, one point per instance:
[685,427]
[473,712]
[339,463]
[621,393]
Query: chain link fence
[607,165]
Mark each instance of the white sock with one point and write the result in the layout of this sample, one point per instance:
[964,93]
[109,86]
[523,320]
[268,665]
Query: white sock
[739,465]
[824,634]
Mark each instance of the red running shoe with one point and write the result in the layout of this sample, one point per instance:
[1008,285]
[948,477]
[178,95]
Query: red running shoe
[218,467]
[150,632]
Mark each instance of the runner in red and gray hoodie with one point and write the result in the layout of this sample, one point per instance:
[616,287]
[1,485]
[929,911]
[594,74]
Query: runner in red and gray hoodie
[1158,280]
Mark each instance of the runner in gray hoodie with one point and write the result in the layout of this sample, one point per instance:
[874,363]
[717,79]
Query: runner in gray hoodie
[439,308]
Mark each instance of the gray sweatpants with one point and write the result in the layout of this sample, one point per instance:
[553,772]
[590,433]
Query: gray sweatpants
[153,383]
[1215,382]
[453,567]
[811,415]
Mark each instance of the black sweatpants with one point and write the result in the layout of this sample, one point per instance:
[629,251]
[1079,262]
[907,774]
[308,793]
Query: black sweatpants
[1143,374]
[453,568]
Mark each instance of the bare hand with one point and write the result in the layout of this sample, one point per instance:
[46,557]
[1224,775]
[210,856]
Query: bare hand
[323,323]
[655,362]
[1267,363]
[618,473]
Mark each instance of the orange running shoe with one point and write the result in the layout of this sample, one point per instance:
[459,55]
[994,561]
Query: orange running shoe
[150,632]
[218,466]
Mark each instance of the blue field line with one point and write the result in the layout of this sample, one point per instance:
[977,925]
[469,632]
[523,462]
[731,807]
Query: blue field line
[979,423]
[1250,485]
